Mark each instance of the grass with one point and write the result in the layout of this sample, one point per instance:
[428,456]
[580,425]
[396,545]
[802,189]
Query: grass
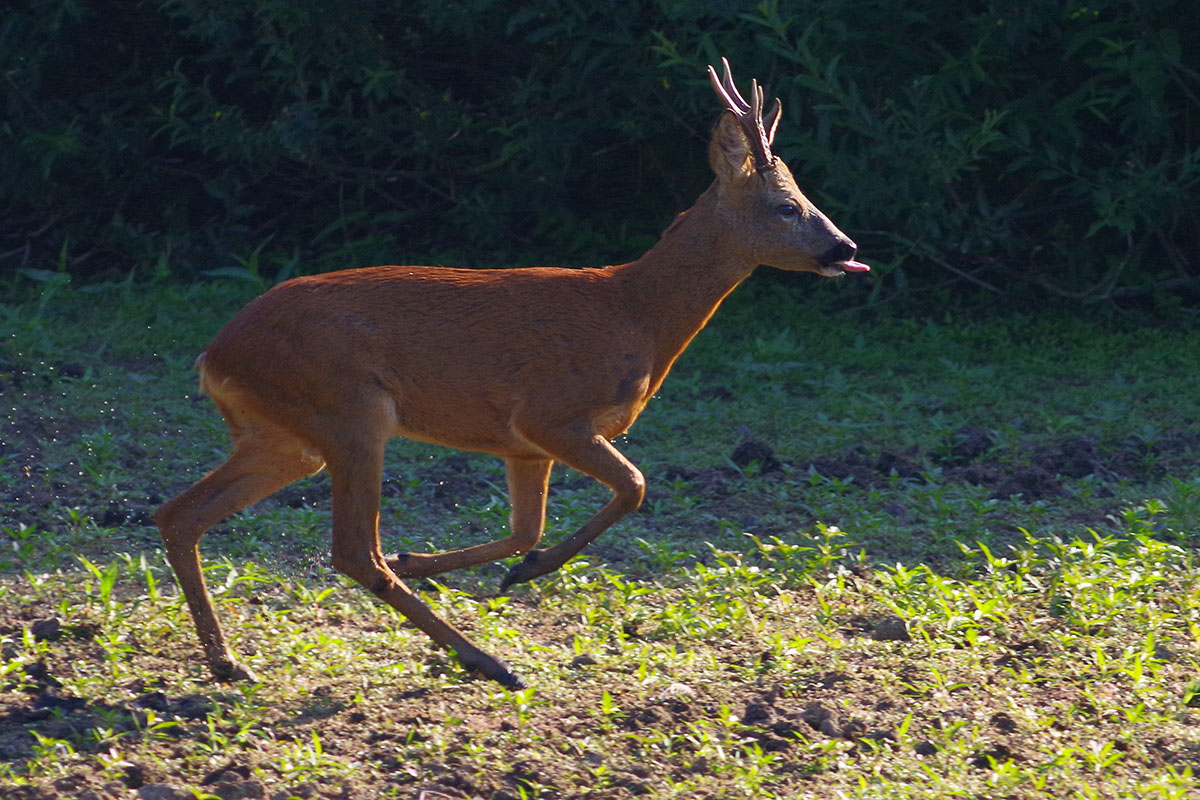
[878,558]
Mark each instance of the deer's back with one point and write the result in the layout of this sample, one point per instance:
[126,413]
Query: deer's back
[451,355]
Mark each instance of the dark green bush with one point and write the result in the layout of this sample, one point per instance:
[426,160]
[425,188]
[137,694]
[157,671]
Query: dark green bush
[1039,144]
[1042,142]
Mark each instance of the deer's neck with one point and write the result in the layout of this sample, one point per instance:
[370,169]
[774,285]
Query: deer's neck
[679,283]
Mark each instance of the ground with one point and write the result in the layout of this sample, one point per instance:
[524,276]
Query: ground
[948,563]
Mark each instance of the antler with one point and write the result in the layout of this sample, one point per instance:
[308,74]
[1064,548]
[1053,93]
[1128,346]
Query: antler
[760,132]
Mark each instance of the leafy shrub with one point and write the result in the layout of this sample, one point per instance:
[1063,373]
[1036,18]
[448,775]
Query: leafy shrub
[1039,144]
[1043,142]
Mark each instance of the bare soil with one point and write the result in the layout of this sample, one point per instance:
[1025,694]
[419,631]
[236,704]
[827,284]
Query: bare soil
[859,706]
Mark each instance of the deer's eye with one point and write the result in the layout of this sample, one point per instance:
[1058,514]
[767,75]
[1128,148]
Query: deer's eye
[787,211]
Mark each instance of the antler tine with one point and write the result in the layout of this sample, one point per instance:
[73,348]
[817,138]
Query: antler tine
[727,91]
[749,115]
[731,87]
[771,121]
[717,87]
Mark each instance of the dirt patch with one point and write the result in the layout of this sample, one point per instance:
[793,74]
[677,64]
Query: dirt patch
[1030,472]
[45,461]
[888,694]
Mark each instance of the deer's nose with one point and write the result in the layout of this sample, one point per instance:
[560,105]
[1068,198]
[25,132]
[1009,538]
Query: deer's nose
[840,253]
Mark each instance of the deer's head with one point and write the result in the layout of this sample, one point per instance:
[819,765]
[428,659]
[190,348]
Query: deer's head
[777,225]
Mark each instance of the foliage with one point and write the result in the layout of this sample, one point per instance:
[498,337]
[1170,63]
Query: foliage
[1046,144]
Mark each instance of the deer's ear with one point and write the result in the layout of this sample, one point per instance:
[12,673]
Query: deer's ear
[729,152]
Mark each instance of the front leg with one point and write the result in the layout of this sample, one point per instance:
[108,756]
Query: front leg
[597,457]
[528,483]
[355,471]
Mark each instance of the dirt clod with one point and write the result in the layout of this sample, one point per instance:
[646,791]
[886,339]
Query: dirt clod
[830,728]
[1003,722]
[46,630]
[52,699]
[229,772]
[815,715]
[996,754]
[239,790]
[305,790]
[155,701]
[890,629]
[1030,473]
[758,714]
[1029,483]
[751,450]
[163,791]
[829,679]
[969,443]
[193,706]
[39,673]
[136,775]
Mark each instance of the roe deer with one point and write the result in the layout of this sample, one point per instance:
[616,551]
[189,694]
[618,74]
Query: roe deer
[534,365]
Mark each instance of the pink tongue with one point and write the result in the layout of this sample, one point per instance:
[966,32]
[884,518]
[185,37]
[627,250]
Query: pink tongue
[855,266]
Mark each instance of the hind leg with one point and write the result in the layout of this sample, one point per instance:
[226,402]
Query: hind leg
[265,459]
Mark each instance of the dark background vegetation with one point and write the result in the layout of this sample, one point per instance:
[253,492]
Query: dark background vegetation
[1036,149]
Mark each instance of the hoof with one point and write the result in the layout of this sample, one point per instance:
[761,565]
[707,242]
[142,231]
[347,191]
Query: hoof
[234,672]
[491,668]
[523,571]
[508,680]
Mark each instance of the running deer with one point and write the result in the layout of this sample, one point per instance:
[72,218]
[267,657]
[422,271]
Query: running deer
[534,365]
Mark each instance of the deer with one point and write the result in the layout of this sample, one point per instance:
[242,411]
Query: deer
[535,365]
